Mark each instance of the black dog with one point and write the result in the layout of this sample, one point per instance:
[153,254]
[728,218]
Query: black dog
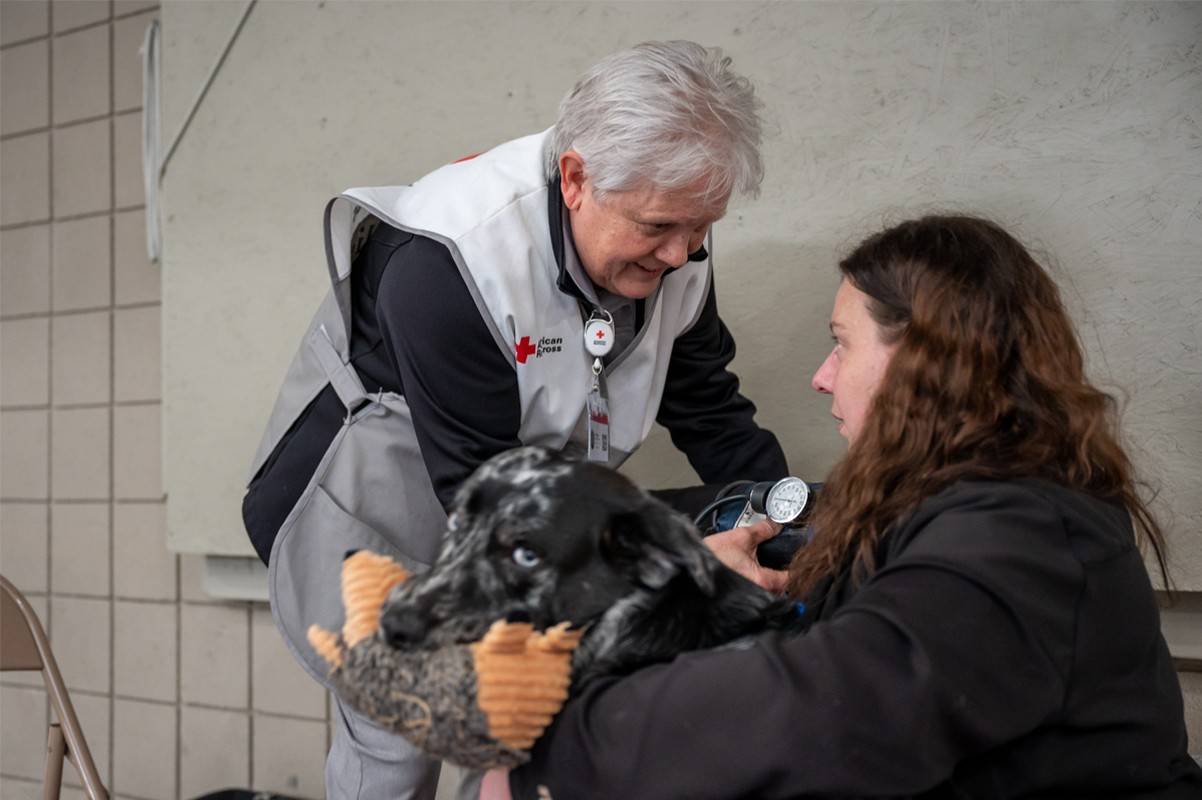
[535,537]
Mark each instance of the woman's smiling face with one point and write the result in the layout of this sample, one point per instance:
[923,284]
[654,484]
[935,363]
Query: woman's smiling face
[857,362]
[628,240]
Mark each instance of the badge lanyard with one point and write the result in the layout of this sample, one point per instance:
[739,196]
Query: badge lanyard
[598,341]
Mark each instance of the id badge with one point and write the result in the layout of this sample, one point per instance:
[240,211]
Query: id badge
[598,427]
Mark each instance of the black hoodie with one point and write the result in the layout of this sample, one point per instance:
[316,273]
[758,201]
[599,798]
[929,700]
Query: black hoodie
[1007,646]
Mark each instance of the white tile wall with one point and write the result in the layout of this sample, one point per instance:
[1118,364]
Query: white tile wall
[19,788]
[23,83]
[122,7]
[144,643]
[23,730]
[82,179]
[24,361]
[137,453]
[142,566]
[80,454]
[81,351]
[24,545]
[136,339]
[79,548]
[20,21]
[214,657]
[81,636]
[128,34]
[138,280]
[297,768]
[127,152]
[25,270]
[214,750]
[81,75]
[81,263]
[24,174]
[191,578]
[279,683]
[162,675]
[24,457]
[144,748]
[70,14]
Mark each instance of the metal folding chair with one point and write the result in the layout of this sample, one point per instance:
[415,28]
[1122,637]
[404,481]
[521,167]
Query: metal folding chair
[24,646]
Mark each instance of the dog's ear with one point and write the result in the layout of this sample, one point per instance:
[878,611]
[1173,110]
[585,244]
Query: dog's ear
[655,544]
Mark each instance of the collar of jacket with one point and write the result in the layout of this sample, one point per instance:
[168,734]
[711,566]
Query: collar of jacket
[555,219]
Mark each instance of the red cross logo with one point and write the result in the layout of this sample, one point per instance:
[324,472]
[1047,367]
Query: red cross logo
[600,334]
[524,349]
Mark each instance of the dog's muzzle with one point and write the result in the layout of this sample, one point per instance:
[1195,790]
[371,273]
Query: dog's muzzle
[404,625]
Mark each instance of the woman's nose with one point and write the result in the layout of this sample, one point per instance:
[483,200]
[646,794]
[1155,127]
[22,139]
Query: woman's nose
[675,251]
[823,379]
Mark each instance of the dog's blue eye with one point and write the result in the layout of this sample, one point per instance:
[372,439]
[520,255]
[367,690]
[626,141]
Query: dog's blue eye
[525,557]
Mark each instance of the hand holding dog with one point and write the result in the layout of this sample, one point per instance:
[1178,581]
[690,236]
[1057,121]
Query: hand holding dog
[736,549]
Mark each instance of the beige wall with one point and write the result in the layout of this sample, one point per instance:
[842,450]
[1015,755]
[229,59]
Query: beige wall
[1067,122]
[178,695]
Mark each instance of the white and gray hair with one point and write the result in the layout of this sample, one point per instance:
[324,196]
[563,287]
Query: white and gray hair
[664,114]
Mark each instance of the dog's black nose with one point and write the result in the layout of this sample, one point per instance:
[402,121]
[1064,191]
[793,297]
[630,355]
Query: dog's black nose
[403,626]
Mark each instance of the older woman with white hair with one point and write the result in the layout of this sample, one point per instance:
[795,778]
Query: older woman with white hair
[555,290]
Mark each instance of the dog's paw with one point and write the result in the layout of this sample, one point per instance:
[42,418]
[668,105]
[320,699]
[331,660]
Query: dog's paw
[327,644]
[367,578]
[522,679]
[560,639]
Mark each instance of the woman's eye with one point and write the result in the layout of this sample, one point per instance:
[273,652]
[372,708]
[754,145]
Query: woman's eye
[525,557]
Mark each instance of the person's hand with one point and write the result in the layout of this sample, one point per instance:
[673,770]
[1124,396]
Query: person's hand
[495,785]
[736,549]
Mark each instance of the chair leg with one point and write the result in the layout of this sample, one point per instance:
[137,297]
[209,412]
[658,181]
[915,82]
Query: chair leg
[93,789]
[56,753]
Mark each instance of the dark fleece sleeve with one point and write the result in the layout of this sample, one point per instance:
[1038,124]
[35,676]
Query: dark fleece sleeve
[957,646]
[460,387]
[706,416]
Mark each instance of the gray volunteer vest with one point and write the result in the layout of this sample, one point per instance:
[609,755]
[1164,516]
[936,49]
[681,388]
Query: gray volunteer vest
[371,489]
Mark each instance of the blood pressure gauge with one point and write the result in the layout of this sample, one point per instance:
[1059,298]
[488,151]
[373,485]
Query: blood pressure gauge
[784,502]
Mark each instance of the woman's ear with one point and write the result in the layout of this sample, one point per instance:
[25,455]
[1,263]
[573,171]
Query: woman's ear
[571,179]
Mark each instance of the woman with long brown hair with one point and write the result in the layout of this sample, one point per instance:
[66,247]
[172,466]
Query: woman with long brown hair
[980,623]
[986,380]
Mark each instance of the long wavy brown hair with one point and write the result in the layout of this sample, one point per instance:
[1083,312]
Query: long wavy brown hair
[987,381]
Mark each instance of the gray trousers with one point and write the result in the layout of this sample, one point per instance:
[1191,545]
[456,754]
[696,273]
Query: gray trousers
[367,762]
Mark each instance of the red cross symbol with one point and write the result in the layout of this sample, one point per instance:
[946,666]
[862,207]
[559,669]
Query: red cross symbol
[524,349]
[600,334]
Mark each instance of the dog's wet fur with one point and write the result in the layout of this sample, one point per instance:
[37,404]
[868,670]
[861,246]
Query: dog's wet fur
[534,537]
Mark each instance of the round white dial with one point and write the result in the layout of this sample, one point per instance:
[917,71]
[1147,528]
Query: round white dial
[786,500]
